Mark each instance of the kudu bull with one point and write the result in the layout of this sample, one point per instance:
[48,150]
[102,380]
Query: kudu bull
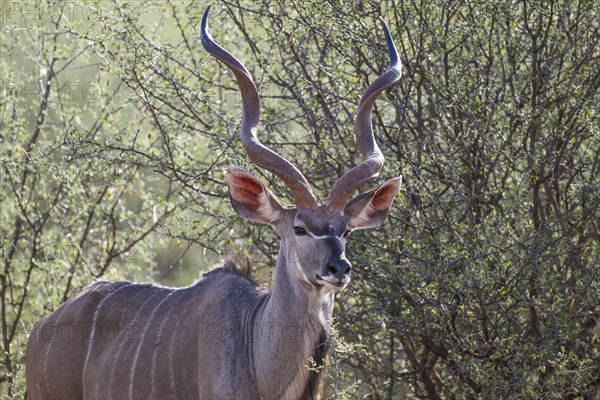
[224,337]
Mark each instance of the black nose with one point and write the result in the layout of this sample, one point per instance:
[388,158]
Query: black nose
[339,268]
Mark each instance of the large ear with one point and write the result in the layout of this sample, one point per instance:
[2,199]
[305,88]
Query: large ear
[250,199]
[371,208]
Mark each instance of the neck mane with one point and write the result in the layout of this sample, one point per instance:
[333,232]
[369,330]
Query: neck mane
[290,328]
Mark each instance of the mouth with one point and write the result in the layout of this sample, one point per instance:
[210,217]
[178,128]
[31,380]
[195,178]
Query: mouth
[332,283]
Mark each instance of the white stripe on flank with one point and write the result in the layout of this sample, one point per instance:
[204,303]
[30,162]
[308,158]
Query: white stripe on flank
[139,347]
[91,338]
[172,386]
[156,348]
[48,346]
[126,339]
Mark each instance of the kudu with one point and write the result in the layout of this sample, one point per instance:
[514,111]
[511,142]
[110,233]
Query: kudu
[224,337]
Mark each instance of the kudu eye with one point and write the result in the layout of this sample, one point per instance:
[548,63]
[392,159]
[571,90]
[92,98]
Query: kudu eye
[300,231]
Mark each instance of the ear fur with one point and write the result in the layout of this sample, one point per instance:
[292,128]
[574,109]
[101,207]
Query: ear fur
[250,198]
[371,208]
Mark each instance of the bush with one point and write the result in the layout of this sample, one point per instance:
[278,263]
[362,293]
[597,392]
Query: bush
[116,129]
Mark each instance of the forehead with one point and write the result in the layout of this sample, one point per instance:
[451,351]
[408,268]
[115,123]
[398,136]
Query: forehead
[322,222]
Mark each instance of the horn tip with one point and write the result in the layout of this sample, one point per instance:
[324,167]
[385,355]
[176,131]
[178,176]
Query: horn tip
[393,53]
[204,33]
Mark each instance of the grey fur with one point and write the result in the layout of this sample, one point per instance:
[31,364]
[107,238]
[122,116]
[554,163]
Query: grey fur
[229,339]
[223,337]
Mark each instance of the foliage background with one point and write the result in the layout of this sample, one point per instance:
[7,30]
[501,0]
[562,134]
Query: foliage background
[116,129]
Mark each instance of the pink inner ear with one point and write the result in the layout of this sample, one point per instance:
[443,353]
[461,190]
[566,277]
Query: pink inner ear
[248,191]
[381,198]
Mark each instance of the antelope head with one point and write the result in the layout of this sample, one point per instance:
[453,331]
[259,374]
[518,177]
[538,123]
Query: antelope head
[313,235]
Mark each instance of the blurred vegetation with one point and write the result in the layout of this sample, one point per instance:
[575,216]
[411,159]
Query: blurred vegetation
[116,129]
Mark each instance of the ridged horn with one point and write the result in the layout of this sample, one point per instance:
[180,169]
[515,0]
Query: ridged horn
[373,159]
[257,152]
